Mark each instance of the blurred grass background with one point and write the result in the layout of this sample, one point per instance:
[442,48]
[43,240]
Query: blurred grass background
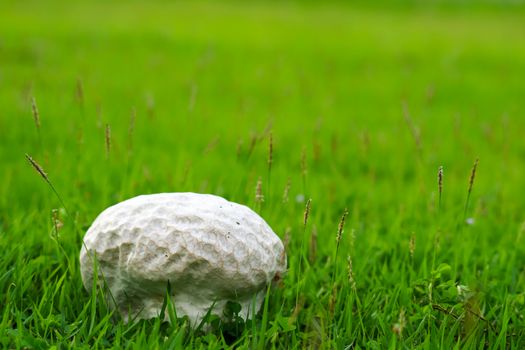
[209,81]
[246,65]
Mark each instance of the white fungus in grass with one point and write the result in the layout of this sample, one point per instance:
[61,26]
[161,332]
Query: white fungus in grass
[209,249]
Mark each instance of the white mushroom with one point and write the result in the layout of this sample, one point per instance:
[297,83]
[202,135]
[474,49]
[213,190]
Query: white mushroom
[209,249]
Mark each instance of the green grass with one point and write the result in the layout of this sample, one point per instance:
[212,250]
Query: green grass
[209,83]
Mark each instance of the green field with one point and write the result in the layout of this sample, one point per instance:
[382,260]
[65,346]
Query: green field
[363,105]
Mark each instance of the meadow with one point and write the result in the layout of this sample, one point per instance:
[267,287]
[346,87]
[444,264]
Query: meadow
[351,109]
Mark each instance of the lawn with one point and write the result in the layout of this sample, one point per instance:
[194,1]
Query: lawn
[361,104]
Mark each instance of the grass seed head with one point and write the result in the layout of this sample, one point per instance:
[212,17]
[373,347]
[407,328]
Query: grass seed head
[287,237]
[332,301]
[259,196]
[472,175]
[80,91]
[238,149]
[398,327]
[286,192]
[307,212]
[99,115]
[440,180]
[351,279]
[470,185]
[341,226]
[267,129]
[412,245]
[36,114]
[352,238]
[57,224]
[303,162]
[37,167]
[108,140]
[212,144]
[43,174]
[253,142]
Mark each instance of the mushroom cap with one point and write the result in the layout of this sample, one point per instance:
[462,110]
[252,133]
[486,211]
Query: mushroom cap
[209,249]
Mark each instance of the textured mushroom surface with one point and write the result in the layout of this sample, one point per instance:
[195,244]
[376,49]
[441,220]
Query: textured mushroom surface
[209,249]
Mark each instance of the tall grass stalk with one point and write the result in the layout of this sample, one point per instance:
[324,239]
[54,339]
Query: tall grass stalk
[270,162]
[91,256]
[38,168]
[332,301]
[259,196]
[44,176]
[412,246]
[351,278]
[286,192]
[470,186]
[306,216]
[307,213]
[440,186]
[36,115]
[253,143]
[340,230]
[107,139]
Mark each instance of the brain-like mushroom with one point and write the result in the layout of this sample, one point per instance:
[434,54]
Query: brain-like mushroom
[209,249]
